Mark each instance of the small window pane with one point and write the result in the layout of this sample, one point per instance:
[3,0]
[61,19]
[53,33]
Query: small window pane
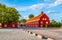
[46,22]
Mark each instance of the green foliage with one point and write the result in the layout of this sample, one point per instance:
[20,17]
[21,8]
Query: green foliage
[31,16]
[8,14]
[23,20]
[55,24]
[2,11]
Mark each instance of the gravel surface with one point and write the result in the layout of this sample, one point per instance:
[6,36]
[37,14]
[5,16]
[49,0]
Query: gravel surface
[16,34]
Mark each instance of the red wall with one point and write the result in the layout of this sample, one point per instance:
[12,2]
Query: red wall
[37,23]
[10,25]
[33,24]
[42,19]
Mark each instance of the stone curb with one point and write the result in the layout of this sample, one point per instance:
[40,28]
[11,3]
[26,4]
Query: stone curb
[50,39]
[40,36]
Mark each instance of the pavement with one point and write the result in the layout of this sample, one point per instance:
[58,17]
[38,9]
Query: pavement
[54,33]
[22,34]
[16,34]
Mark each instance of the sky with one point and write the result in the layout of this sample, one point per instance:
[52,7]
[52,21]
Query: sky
[53,8]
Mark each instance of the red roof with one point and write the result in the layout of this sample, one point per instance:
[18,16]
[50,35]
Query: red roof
[35,18]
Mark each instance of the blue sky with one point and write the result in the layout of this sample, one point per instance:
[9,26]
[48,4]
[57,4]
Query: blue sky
[53,8]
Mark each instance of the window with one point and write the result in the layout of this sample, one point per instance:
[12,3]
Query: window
[13,25]
[0,24]
[45,18]
[36,25]
[41,22]
[46,22]
[26,25]
[41,25]
[5,25]
[42,18]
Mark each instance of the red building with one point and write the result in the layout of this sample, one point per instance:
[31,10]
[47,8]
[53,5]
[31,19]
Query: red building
[38,21]
[9,25]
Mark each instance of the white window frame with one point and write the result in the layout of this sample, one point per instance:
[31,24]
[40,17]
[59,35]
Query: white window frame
[45,18]
[46,22]
[5,25]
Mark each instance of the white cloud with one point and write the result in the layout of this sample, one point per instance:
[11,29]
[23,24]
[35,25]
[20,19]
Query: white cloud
[22,8]
[56,3]
[53,12]
[50,11]
[37,6]
[32,7]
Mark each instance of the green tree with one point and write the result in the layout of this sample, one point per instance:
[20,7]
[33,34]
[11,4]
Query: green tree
[8,14]
[2,12]
[12,15]
[31,16]
[23,20]
[55,24]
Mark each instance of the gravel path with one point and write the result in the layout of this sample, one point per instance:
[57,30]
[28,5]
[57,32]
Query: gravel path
[16,34]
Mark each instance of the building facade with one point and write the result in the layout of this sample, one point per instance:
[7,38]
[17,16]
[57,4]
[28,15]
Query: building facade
[9,25]
[38,21]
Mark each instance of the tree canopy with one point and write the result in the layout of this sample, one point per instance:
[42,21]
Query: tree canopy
[8,14]
[23,20]
[55,24]
[31,16]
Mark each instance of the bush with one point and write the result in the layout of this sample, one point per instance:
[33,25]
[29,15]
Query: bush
[55,24]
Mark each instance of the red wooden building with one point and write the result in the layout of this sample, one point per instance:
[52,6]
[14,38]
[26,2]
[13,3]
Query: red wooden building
[9,25]
[38,21]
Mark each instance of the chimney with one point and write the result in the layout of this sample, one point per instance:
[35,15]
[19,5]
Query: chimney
[42,12]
